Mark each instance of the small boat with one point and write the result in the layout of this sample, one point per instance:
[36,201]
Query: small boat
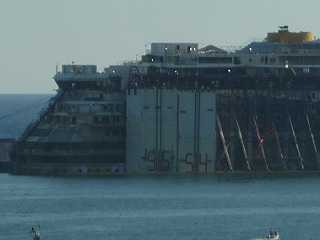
[272,235]
[35,232]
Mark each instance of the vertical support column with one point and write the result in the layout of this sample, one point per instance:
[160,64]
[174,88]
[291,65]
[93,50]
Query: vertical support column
[196,133]
[160,122]
[296,144]
[244,150]
[193,164]
[198,156]
[250,147]
[160,150]
[260,139]
[249,132]
[284,164]
[313,140]
[225,147]
[156,157]
[177,135]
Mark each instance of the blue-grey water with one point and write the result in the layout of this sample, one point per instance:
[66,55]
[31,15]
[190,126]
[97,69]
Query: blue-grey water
[137,208]
[18,110]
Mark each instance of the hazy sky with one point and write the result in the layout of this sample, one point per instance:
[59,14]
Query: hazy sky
[38,34]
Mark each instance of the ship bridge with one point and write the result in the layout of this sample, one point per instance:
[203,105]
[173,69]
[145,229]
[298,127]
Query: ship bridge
[85,76]
[79,73]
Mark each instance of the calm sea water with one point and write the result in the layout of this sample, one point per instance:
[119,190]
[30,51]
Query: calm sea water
[18,110]
[163,208]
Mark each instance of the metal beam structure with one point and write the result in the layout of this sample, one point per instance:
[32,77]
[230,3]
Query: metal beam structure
[225,147]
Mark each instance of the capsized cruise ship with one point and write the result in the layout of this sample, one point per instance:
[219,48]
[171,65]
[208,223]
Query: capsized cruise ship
[184,109]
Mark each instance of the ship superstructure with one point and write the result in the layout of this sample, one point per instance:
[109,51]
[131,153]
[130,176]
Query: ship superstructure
[83,129]
[189,110]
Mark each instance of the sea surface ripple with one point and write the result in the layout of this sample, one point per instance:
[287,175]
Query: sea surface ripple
[159,208]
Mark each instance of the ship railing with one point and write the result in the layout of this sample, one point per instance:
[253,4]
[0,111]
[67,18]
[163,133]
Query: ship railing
[80,77]
[51,105]
[27,131]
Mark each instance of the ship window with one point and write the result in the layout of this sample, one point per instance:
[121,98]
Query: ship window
[115,132]
[237,60]
[115,119]
[74,120]
[116,108]
[220,60]
[95,119]
[106,119]
[306,70]
[120,108]
[108,132]
[109,107]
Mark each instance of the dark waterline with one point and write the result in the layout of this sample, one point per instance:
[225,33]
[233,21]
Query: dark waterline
[159,207]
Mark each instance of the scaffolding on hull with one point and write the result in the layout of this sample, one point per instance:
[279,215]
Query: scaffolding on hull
[267,131]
